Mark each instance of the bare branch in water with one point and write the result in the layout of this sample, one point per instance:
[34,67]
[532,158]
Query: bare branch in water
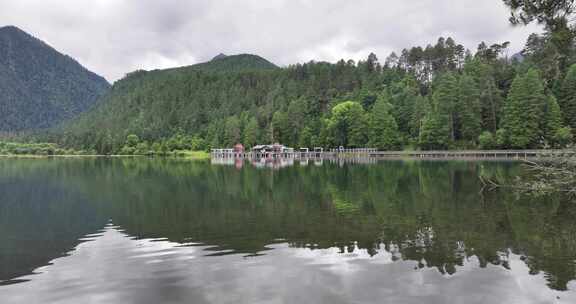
[551,174]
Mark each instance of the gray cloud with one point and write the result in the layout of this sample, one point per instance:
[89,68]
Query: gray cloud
[113,37]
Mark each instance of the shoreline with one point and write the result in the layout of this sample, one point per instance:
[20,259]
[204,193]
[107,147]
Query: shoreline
[175,154]
[363,153]
[518,155]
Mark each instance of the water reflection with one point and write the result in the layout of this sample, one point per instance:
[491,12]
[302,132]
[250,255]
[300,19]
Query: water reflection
[425,224]
[282,162]
[39,221]
[113,267]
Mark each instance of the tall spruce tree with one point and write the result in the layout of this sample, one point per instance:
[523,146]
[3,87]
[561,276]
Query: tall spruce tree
[434,133]
[469,109]
[418,113]
[567,98]
[490,95]
[233,131]
[296,115]
[251,133]
[553,115]
[524,120]
[552,121]
[445,99]
[384,133]
[404,95]
[280,127]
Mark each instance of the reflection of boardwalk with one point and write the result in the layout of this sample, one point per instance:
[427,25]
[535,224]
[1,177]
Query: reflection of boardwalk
[222,155]
[278,163]
[273,163]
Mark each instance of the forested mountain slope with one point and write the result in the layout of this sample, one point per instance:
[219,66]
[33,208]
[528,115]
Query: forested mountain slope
[235,63]
[157,104]
[438,97]
[39,86]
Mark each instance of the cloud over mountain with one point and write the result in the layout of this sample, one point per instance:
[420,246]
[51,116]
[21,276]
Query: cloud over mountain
[114,37]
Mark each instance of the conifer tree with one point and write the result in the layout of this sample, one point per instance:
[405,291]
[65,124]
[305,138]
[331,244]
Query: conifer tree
[567,98]
[418,113]
[444,100]
[306,139]
[434,133]
[469,110]
[251,133]
[280,127]
[553,119]
[404,96]
[490,95]
[523,120]
[384,133]
[233,132]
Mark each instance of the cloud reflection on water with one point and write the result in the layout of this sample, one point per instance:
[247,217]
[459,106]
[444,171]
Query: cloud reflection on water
[113,267]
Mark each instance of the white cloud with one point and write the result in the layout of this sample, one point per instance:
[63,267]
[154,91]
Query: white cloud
[113,37]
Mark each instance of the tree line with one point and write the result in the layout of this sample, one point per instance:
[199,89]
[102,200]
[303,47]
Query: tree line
[441,96]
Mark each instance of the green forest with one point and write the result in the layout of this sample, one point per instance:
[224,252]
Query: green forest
[436,97]
[40,87]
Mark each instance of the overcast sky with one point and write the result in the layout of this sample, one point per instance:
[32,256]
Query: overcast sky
[114,37]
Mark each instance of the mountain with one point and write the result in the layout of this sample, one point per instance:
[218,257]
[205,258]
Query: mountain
[518,57]
[40,86]
[234,63]
[195,99]
[219,56]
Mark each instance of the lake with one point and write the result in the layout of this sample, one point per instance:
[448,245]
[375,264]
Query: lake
[174,231]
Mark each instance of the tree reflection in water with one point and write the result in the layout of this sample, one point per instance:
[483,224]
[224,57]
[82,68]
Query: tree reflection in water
[430,212]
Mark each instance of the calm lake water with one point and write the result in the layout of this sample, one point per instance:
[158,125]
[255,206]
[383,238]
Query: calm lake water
[174,231]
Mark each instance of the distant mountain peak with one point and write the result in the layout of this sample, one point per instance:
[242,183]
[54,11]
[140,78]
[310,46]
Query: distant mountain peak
[238,62]
[232,63]
[10,28]
[219,56]
[13,31]
[518,57]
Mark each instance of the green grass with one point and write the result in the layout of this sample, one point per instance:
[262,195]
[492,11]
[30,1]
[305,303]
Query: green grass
[187,154]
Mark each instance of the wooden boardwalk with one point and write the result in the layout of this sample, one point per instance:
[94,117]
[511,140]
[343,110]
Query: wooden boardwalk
[475,154]
[372,153]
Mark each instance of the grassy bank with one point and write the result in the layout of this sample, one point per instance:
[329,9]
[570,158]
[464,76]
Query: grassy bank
[184,154]
[188,154]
